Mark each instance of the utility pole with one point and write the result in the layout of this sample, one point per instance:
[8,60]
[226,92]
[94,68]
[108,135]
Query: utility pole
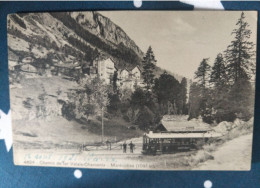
[102,122]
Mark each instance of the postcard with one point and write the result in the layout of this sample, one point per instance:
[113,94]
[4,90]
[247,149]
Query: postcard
[142,90]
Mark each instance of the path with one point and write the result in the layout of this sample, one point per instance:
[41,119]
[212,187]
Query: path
[233,155]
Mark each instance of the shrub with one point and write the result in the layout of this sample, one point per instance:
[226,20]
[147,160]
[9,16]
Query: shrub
[126,118]
[210,147]
[27,103]
[68,111]
[145,119]
[200,157]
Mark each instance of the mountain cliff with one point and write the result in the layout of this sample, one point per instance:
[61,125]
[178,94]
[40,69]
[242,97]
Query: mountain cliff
[105,28]
[70,37]
[46,39]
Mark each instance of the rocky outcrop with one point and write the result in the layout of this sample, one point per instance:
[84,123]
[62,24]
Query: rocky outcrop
[105,28]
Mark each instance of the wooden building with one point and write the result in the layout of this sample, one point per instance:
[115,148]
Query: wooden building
[177,135]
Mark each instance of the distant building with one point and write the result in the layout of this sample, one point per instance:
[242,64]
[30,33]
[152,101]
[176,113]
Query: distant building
[106,69]
[136,73]
[129,79]
[123,74]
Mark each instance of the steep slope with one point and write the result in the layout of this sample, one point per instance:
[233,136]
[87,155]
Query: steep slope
[104,35]
[84,36]
[105,28]
[68,37]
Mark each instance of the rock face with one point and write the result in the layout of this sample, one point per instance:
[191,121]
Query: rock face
[70,37]
[105,28]
[54,49]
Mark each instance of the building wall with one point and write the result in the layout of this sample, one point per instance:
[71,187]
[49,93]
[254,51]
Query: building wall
[136,73]
[123,75]
[106,70]
[128,79]
[127,84]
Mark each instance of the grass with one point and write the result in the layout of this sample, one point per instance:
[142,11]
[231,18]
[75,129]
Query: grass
[116,127]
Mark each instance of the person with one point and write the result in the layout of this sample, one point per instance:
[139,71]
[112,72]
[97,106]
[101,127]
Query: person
[108,143]
[124,147]
[131,145]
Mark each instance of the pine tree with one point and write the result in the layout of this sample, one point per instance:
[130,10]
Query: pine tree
[183,94]
[113,95]
[241,99]
[218,76]
[239,54]
[202,74]
[240,66]
[194,100]
[232,82]
[114,83]
[148,69]
[167,89]
[220,90]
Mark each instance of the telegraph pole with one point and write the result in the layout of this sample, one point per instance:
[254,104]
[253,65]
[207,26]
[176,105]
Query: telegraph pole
[102,122]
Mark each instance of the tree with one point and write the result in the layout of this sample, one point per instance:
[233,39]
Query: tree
[98,96]
[240,67]
[101,95]
[113,96]
[239,54]
[183,95]
[114,104]
[241,99]
[195,98]
[167,89]
[220,91]
[148,68]
[100,92]
[141,111]
[114,83]
[218,76]
[231,95]
[88,109]
[202,74]
[138,99]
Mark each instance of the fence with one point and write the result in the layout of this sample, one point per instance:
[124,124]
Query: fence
[109,146]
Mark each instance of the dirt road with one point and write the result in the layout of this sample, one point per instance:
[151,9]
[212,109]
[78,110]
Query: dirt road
[233,155]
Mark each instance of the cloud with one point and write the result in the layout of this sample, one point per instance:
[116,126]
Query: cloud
[183,27]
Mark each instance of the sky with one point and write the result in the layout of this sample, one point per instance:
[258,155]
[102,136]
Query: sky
[181,39]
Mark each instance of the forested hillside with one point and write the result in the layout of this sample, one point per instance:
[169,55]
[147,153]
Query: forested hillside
[225,91]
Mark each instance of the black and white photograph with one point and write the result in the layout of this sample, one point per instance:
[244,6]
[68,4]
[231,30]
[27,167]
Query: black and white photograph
[139,90]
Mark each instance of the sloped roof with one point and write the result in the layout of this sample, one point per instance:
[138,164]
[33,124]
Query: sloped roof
[183,135]
[137,66]
[121,70]
[179,123]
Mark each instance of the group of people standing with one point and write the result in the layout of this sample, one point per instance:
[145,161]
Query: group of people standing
[131,146]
